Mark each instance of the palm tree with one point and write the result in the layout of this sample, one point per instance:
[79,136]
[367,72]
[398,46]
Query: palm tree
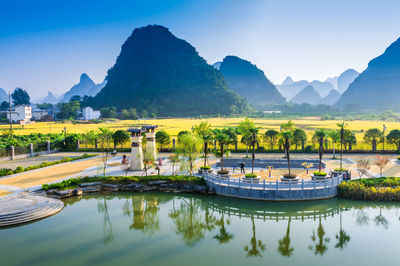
[286,136]
[334,135]
[203,130]
[320,135]
[224,137]
[341,126]
[253,133]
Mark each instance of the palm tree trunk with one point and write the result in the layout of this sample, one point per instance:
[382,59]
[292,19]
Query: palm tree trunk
[333,149]
[205,153]
[222,157]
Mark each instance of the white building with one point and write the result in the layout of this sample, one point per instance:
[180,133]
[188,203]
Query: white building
[20,113]
[38,114]
[89,114]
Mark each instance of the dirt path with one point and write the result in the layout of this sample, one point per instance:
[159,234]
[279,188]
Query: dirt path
[38,177]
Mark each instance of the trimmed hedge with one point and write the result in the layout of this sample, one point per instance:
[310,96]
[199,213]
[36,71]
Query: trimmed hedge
[316,173]
[379,189]
[74,182]
[20,169]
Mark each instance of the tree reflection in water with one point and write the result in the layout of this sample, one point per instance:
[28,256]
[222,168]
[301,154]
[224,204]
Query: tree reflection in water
[342,237]
[319,246]
[380,220]
[223,236]
[102,207]
[284,247]
[189,221]
[362,217]
[256,246]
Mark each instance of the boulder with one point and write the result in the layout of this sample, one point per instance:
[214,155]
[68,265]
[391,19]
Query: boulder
[200,188]
[91,189]
[65,193]
[158,182]
[110,187]
[90,184]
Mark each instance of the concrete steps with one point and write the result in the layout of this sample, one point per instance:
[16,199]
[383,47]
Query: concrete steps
[25,207]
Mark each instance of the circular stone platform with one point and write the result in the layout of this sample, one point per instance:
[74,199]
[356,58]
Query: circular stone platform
[22,208]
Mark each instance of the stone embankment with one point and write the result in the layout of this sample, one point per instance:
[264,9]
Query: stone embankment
[161,185]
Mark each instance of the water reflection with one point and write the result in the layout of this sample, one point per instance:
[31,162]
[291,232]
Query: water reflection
[319,246]
[342,237]
[256,246]
[189,223]
[194,218]
[107,226]
[224,236]
[284,247]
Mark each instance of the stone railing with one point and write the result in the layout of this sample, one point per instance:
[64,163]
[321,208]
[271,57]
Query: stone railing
[274,191]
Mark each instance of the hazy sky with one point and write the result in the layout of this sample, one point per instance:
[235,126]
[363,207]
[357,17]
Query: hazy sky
[46,45]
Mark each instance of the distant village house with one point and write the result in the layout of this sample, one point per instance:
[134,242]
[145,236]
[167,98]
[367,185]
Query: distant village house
[89,114]
[20,113]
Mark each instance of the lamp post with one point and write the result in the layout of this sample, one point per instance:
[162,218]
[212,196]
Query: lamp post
[384,129]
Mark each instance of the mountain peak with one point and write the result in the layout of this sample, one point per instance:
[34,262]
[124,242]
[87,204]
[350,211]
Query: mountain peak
[250,82]
[307,95]
[162,74]
[377,87]
[288,80]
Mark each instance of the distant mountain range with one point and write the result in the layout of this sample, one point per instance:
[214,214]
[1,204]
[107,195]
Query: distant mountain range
[290,88]
[307,95]
[378,87]
[331,98]
[86,86]
[158,73]
[248,81]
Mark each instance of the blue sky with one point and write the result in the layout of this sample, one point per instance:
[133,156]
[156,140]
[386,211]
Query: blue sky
[46,45]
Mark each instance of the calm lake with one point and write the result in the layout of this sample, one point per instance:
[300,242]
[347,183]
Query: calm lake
[182,229]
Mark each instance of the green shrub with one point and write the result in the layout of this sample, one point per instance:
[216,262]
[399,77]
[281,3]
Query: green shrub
[340,170]
[250,175]
[74,182]
[316,173]
[19,169]
[207,167]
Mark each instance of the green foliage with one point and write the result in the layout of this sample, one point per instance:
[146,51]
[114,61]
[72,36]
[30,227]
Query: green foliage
[299,137]
[382,189]
[181,134]
[340,170]
[68,110]
[129,114]
[108,112]
[373,136]
[250,175]
[207,167]
[20,96]
[271,137]
[394,138]
[162,138]
[74,182]
[70,142]
[316,173]
[120,137]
